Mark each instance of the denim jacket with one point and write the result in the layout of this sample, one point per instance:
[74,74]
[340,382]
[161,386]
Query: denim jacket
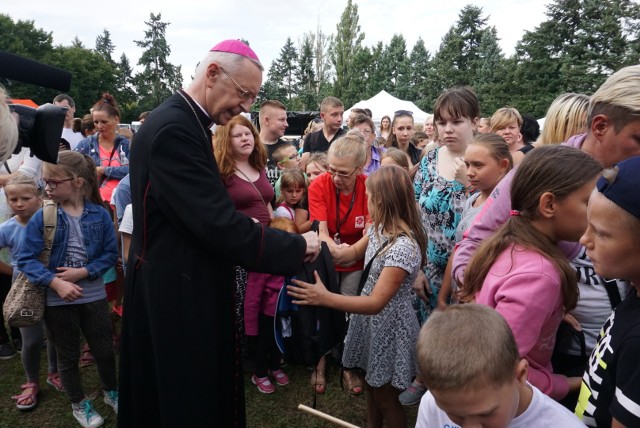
[89,146]
[99,243]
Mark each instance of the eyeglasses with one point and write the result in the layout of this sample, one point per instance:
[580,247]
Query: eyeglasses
[336,174]
[403,113]
[366,131]
[244,93]
[54,183]
[290,158]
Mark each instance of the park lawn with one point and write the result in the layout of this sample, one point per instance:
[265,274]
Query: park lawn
[275,410]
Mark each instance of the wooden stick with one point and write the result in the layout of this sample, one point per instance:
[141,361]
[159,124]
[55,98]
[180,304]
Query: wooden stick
[329,418]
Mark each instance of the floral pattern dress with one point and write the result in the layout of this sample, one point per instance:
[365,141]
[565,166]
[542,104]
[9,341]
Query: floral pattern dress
[383,345]
[441,203]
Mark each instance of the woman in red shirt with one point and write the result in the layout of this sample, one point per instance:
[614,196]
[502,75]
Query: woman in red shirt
[338,200]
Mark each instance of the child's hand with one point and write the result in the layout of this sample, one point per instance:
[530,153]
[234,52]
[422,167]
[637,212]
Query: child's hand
[66,290]
[421,286]
[460,171]
[70,274]
[308,294]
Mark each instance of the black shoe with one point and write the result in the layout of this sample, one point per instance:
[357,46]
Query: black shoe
[6,352]
[17,344]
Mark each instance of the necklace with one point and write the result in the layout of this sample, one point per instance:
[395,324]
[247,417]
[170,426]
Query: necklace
[194,113]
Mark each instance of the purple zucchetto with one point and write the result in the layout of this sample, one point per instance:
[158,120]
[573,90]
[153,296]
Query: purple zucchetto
[235,47]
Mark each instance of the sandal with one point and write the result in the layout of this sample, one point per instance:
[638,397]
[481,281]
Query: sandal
[54,380]
[352,382]
[87,357]
[33,396]
[318,382]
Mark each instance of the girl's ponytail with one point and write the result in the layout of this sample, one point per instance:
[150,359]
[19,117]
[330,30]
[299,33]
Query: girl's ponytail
[92,193]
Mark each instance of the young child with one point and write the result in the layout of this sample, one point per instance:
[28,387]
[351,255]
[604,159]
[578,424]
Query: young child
[84,248]
[383,330]
[316,166]
[521,272]
[609,395]
[260,304]
[488,160]
[285,157]
[23,198]
[394,156]
[420,139]
[476,376]
[293,188]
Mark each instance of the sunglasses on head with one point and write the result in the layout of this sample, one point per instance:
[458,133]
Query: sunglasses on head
[403,113]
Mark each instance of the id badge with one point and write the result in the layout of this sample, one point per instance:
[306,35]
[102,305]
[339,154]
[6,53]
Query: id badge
[336,238]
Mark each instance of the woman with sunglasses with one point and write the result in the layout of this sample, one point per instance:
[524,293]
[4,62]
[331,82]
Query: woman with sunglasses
[338,201]
[402,129]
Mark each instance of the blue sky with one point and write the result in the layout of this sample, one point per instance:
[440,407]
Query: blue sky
[196,26]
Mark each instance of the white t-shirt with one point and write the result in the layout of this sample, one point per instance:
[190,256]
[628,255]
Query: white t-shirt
[126,226]
[543,412]
[72,137]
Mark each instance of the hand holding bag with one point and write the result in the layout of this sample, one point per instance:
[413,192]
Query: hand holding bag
[24,305]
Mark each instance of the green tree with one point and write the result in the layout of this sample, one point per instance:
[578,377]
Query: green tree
[575,49]
[397,67]
[159,78]
[419,63]
[456,61]
[307,94]
[322,63]
[348,42]
[91,75]
[378,71]
[105,47]
[491,83]
[125,92]
[288,66]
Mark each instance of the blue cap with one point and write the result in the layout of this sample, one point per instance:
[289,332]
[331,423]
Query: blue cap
[621,185]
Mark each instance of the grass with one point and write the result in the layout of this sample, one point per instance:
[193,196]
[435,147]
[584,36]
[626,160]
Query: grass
[275,410]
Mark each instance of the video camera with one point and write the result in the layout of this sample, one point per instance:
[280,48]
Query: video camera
[39,129]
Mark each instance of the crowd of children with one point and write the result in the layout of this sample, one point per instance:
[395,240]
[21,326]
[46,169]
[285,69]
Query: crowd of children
[471,235]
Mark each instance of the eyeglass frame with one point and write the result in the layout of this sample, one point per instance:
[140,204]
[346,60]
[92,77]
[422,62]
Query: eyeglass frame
[289,158]
[55,183]
[335,174]
[244,93]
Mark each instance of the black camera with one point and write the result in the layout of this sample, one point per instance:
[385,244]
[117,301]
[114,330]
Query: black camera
[40,129]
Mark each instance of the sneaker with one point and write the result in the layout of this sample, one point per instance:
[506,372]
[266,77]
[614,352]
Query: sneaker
[6,352]
[86,415]
[17,345]
[280,377]
[264,384]
[111,398]
[412,394]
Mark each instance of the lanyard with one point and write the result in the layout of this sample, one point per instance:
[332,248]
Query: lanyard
[339,222]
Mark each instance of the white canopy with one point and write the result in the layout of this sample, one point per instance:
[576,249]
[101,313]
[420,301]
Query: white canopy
[385,104]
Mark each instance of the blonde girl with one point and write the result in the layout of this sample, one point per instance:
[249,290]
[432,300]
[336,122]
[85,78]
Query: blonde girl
[488,160]
[23,198]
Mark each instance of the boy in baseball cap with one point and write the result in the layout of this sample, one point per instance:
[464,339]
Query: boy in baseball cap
[610,395]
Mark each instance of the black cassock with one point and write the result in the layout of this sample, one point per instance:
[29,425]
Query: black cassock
[179,363]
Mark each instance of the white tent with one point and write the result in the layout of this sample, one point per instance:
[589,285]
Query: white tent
[385,104]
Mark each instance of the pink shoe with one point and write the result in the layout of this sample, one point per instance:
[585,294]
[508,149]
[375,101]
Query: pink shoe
[264,384]
[53,379]
[280,377]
